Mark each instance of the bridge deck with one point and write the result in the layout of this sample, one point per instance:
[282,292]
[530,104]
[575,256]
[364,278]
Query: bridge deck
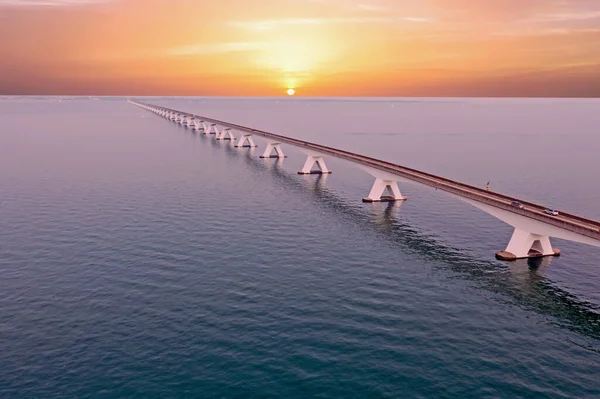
[570,222]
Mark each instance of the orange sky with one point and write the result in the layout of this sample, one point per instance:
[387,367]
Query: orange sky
[319,47]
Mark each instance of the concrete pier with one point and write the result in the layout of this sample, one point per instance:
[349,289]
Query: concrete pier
[273,147]
[314,160]
[245,140]
[385,191]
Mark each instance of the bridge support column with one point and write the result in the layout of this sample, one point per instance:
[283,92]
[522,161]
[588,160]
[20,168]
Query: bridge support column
[245,138]
[384,191]
[524,244]
[225,134]
[311,161]
[269,150]
[209,129]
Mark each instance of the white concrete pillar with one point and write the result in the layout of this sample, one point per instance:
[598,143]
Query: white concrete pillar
[245,138]
[524,244]
[210,128]
[312,160]
[225,134]
[384,191]
[269,149]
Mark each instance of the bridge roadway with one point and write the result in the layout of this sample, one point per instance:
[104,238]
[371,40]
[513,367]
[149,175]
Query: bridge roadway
[576,224]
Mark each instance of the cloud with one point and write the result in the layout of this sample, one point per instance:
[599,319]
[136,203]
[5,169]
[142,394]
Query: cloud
[568,16]
[48,3]
[371,7]
[276,23]
[216,48]
[546,32]
[518,10]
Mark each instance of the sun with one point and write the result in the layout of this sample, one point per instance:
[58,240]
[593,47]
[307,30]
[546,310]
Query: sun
[291,92]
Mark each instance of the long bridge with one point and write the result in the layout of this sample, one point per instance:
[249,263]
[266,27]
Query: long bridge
[533,225]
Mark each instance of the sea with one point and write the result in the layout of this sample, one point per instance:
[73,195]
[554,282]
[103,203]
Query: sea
[141,259]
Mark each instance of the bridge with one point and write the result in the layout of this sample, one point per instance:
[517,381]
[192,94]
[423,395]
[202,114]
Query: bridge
[533,227]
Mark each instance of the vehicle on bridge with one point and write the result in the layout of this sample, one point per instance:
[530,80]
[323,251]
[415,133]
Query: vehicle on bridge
[552,212]
[517,204]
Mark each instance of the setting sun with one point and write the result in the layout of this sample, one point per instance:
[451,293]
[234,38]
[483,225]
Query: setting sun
[291,92]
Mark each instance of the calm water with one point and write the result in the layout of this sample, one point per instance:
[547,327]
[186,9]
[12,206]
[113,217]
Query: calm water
[139,259]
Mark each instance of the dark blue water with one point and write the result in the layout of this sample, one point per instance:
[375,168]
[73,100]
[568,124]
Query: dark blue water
[139,259]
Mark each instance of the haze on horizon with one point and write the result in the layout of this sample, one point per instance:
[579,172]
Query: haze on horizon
[491,48]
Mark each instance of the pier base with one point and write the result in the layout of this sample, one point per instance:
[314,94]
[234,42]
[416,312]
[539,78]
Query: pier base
[508,256]
[524,244]
[385,191]
[311,161]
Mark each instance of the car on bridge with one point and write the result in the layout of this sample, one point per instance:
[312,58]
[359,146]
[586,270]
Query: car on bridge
[517,204]
[552,212]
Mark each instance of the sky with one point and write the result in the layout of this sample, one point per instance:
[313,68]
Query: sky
[400,48]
